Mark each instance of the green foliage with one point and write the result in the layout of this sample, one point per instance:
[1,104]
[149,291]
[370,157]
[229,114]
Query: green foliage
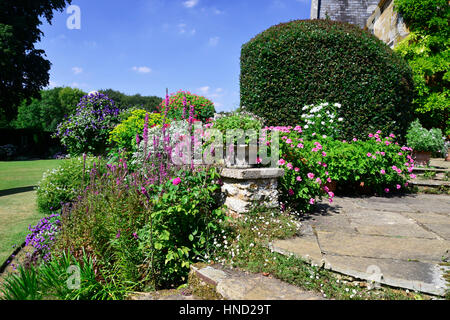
[305,170]
[25,71]
[379,164]
[180,104]
[48,111]
[238,121]
[427,50]
[421,139]
[50,281]
[124,134]
[149,234]
[124,101]
[301,63]
[64,183]
[183,225]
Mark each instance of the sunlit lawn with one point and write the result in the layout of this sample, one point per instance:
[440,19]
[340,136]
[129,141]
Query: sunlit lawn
[18,200]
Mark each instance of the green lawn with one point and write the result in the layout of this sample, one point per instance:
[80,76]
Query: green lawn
[17,200]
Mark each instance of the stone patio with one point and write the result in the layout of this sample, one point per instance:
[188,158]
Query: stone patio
[397,241]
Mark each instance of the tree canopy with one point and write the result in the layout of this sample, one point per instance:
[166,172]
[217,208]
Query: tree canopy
[124,101]
[427,51]
[24,70]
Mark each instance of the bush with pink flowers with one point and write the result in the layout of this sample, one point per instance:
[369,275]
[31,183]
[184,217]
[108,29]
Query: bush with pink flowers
[378,165]
[306,170]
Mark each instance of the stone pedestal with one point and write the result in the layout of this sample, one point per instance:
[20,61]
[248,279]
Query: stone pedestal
[244,188]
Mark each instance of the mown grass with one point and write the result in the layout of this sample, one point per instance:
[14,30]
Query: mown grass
[17,200]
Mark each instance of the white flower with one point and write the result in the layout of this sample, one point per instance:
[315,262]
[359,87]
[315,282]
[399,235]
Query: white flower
[341,119]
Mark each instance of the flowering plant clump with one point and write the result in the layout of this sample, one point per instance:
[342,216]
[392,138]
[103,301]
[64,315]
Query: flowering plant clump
[124,135]
[42,236]
[379,164]
[421,139]
[306,173]
[64,183]
[87,131]
[322,119]
[177,106]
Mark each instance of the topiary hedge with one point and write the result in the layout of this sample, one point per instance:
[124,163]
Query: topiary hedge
[303,62]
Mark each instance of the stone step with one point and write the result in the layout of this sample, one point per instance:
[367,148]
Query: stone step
[429,183]
[232,284]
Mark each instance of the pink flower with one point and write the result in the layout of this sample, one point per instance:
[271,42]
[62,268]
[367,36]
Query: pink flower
[281,162]
[318,180]
[329,180]
[312,201]
[289,141]
[310,175]
[400,154]
[383,171]
[324,154]
[258,160]
[291,192]
[379,131]
[354,139]
[331,194]
[299,179]
[300,146]
[386,190]
[398,187]
[314,150]
[369,154]
[370,135]
[413,176]
[176,181]
[382,153]
[296,169]
[290,166]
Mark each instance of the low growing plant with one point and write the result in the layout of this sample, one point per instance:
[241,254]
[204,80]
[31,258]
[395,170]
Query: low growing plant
[421,139]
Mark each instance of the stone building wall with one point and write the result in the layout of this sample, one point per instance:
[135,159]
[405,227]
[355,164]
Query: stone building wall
[351,11]
[386,24]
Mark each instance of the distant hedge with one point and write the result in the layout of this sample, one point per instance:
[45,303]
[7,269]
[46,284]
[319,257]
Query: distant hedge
[303,62]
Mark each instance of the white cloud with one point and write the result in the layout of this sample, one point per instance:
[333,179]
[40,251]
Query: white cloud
[190,3]
[142,69]
[183,29]
[77,70]
[214,41]
[204,90]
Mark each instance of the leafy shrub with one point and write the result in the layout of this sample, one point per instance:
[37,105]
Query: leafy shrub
[421,139]
[306,173]
[379,165]
[179,106]
[87,131]
[64,183]
[301,63]
[124,134]
[49,110]
[7,152]
[237,121]
[50,281]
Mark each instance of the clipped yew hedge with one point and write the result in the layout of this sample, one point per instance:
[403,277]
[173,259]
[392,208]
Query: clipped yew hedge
[304,62]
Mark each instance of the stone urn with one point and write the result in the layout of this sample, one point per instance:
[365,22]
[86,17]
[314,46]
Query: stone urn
[422,158]
[238,156]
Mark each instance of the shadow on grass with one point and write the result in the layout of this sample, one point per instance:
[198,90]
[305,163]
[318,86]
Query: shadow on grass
[8,192]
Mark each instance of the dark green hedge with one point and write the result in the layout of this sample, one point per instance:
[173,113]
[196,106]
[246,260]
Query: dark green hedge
[302,62]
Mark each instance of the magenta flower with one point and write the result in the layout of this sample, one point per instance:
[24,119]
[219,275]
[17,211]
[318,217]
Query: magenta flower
[176,181]
[300,146]
[310,175]
[386,190]
[299,178]
[281,162]
[289,141]
[312,201]
[290,166]
[383,171]
[291,192]
[399,187]
[296,169]
[413,176]
[369,154]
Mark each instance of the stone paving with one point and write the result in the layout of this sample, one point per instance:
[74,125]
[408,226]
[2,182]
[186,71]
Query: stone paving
[398,241]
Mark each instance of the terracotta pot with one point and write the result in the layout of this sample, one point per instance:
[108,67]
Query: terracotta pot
[448,155]
[422,158]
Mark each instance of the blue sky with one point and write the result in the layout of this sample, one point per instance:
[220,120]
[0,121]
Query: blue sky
[146,46]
